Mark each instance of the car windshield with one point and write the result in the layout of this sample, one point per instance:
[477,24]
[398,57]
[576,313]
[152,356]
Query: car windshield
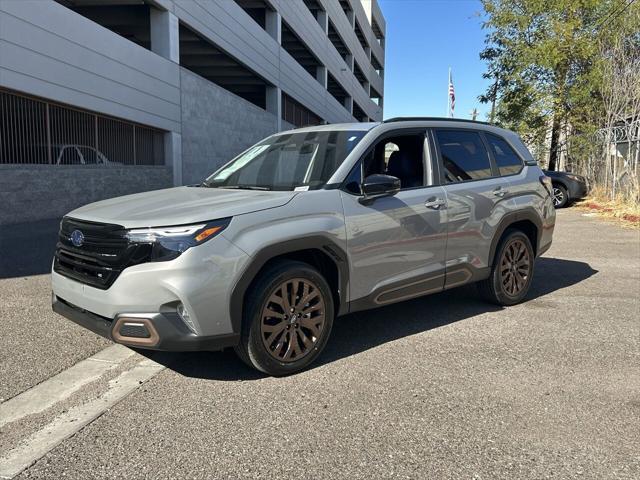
[302,160]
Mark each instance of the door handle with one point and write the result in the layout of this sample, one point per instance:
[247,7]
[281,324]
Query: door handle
[435,204]
[500,192]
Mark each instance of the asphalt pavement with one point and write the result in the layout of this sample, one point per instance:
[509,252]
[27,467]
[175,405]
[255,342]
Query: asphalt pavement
[440,387]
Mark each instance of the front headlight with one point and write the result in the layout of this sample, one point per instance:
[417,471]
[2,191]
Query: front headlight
[167,243]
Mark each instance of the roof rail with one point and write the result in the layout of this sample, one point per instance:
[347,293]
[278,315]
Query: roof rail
[442,119]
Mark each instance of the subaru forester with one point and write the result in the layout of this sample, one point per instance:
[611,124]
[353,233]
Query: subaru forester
[307,225]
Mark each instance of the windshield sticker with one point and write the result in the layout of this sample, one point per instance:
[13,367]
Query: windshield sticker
[241,162]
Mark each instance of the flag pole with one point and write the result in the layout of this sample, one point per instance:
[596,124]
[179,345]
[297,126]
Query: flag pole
[448,96]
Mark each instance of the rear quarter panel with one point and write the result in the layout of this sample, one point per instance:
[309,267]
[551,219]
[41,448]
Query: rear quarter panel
[527,192]
[474,217]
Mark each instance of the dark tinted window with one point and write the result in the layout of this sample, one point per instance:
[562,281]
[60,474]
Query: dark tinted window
[400,156]
[463,155]
[506,159]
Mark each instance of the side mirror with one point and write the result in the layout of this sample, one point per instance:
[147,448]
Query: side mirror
[377,186]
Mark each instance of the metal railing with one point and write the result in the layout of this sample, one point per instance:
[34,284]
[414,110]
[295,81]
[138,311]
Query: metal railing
[38,132]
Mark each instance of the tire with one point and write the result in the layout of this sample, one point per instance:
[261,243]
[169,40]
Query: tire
[560,196]
[276,340]
[513,252]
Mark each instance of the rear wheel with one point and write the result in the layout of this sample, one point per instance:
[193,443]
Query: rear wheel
[512,270]
[288,319]
[560,196]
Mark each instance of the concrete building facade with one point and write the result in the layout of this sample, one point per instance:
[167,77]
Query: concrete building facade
[100,98]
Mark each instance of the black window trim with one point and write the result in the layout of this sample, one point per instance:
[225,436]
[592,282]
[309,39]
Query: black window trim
[522,161]
[443,182]
[396,133]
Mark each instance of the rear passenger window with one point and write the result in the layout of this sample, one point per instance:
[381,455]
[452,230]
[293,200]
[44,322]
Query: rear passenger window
[507,160]
[463,155]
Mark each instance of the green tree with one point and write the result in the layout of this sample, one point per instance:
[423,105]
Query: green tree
[543,58]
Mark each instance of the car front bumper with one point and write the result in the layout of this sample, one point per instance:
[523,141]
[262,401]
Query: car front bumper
[165,330]
[578,190]
[146,296]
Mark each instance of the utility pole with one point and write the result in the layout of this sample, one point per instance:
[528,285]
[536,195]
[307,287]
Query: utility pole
[493,101]
[474,114]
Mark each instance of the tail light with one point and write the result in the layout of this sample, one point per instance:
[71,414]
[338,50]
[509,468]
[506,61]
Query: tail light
[547,184]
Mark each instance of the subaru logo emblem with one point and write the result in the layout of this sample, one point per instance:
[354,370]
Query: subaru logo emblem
[77,238]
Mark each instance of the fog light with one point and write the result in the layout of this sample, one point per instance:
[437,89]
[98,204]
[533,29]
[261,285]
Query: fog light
[184,316]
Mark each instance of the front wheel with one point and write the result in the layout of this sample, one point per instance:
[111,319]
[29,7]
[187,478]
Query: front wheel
[288,319]
[560,196]
[512,271]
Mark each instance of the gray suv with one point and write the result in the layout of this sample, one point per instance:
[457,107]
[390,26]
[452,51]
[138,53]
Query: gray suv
[304,226]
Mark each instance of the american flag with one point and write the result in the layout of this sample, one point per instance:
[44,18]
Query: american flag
[452,96]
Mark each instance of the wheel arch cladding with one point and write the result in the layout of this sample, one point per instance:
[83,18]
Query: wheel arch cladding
[526,221]
[319,252]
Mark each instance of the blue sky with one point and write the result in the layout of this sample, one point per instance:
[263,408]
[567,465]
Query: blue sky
[425,38]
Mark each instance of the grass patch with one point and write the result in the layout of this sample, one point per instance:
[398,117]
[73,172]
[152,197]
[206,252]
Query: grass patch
[625,211]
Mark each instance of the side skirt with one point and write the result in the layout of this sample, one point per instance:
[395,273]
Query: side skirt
[420,287]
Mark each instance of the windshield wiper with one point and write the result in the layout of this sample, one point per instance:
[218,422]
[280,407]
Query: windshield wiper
[235,187]
[245,187]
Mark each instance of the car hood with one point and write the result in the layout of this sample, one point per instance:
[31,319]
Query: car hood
[179,206]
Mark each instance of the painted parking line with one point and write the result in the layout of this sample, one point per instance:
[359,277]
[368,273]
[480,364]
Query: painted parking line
[62,385]
[65,425]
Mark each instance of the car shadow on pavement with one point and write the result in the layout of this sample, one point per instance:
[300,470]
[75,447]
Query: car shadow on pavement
[32,245]
[358,332]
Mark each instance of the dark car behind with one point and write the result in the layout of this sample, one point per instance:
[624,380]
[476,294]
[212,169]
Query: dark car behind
[567,187]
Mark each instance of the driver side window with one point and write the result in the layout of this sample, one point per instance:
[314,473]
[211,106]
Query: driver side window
[400,156]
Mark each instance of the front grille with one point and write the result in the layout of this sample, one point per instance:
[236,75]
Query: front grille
[104,253]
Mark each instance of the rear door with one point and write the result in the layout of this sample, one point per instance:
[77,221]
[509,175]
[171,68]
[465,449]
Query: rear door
[477,199]
[396,244]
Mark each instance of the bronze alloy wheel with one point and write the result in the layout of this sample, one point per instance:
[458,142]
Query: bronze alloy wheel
[515,267]
[293,319]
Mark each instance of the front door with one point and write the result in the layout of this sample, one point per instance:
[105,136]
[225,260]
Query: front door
[396,244]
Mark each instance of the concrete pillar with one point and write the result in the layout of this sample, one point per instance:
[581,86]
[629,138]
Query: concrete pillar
[351,16]
[321,75]
[367,51]
[348,104]
[164,34]
[349,61]
[173,155]
[323,20]
[274,104]
[165,42]
[273,25]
